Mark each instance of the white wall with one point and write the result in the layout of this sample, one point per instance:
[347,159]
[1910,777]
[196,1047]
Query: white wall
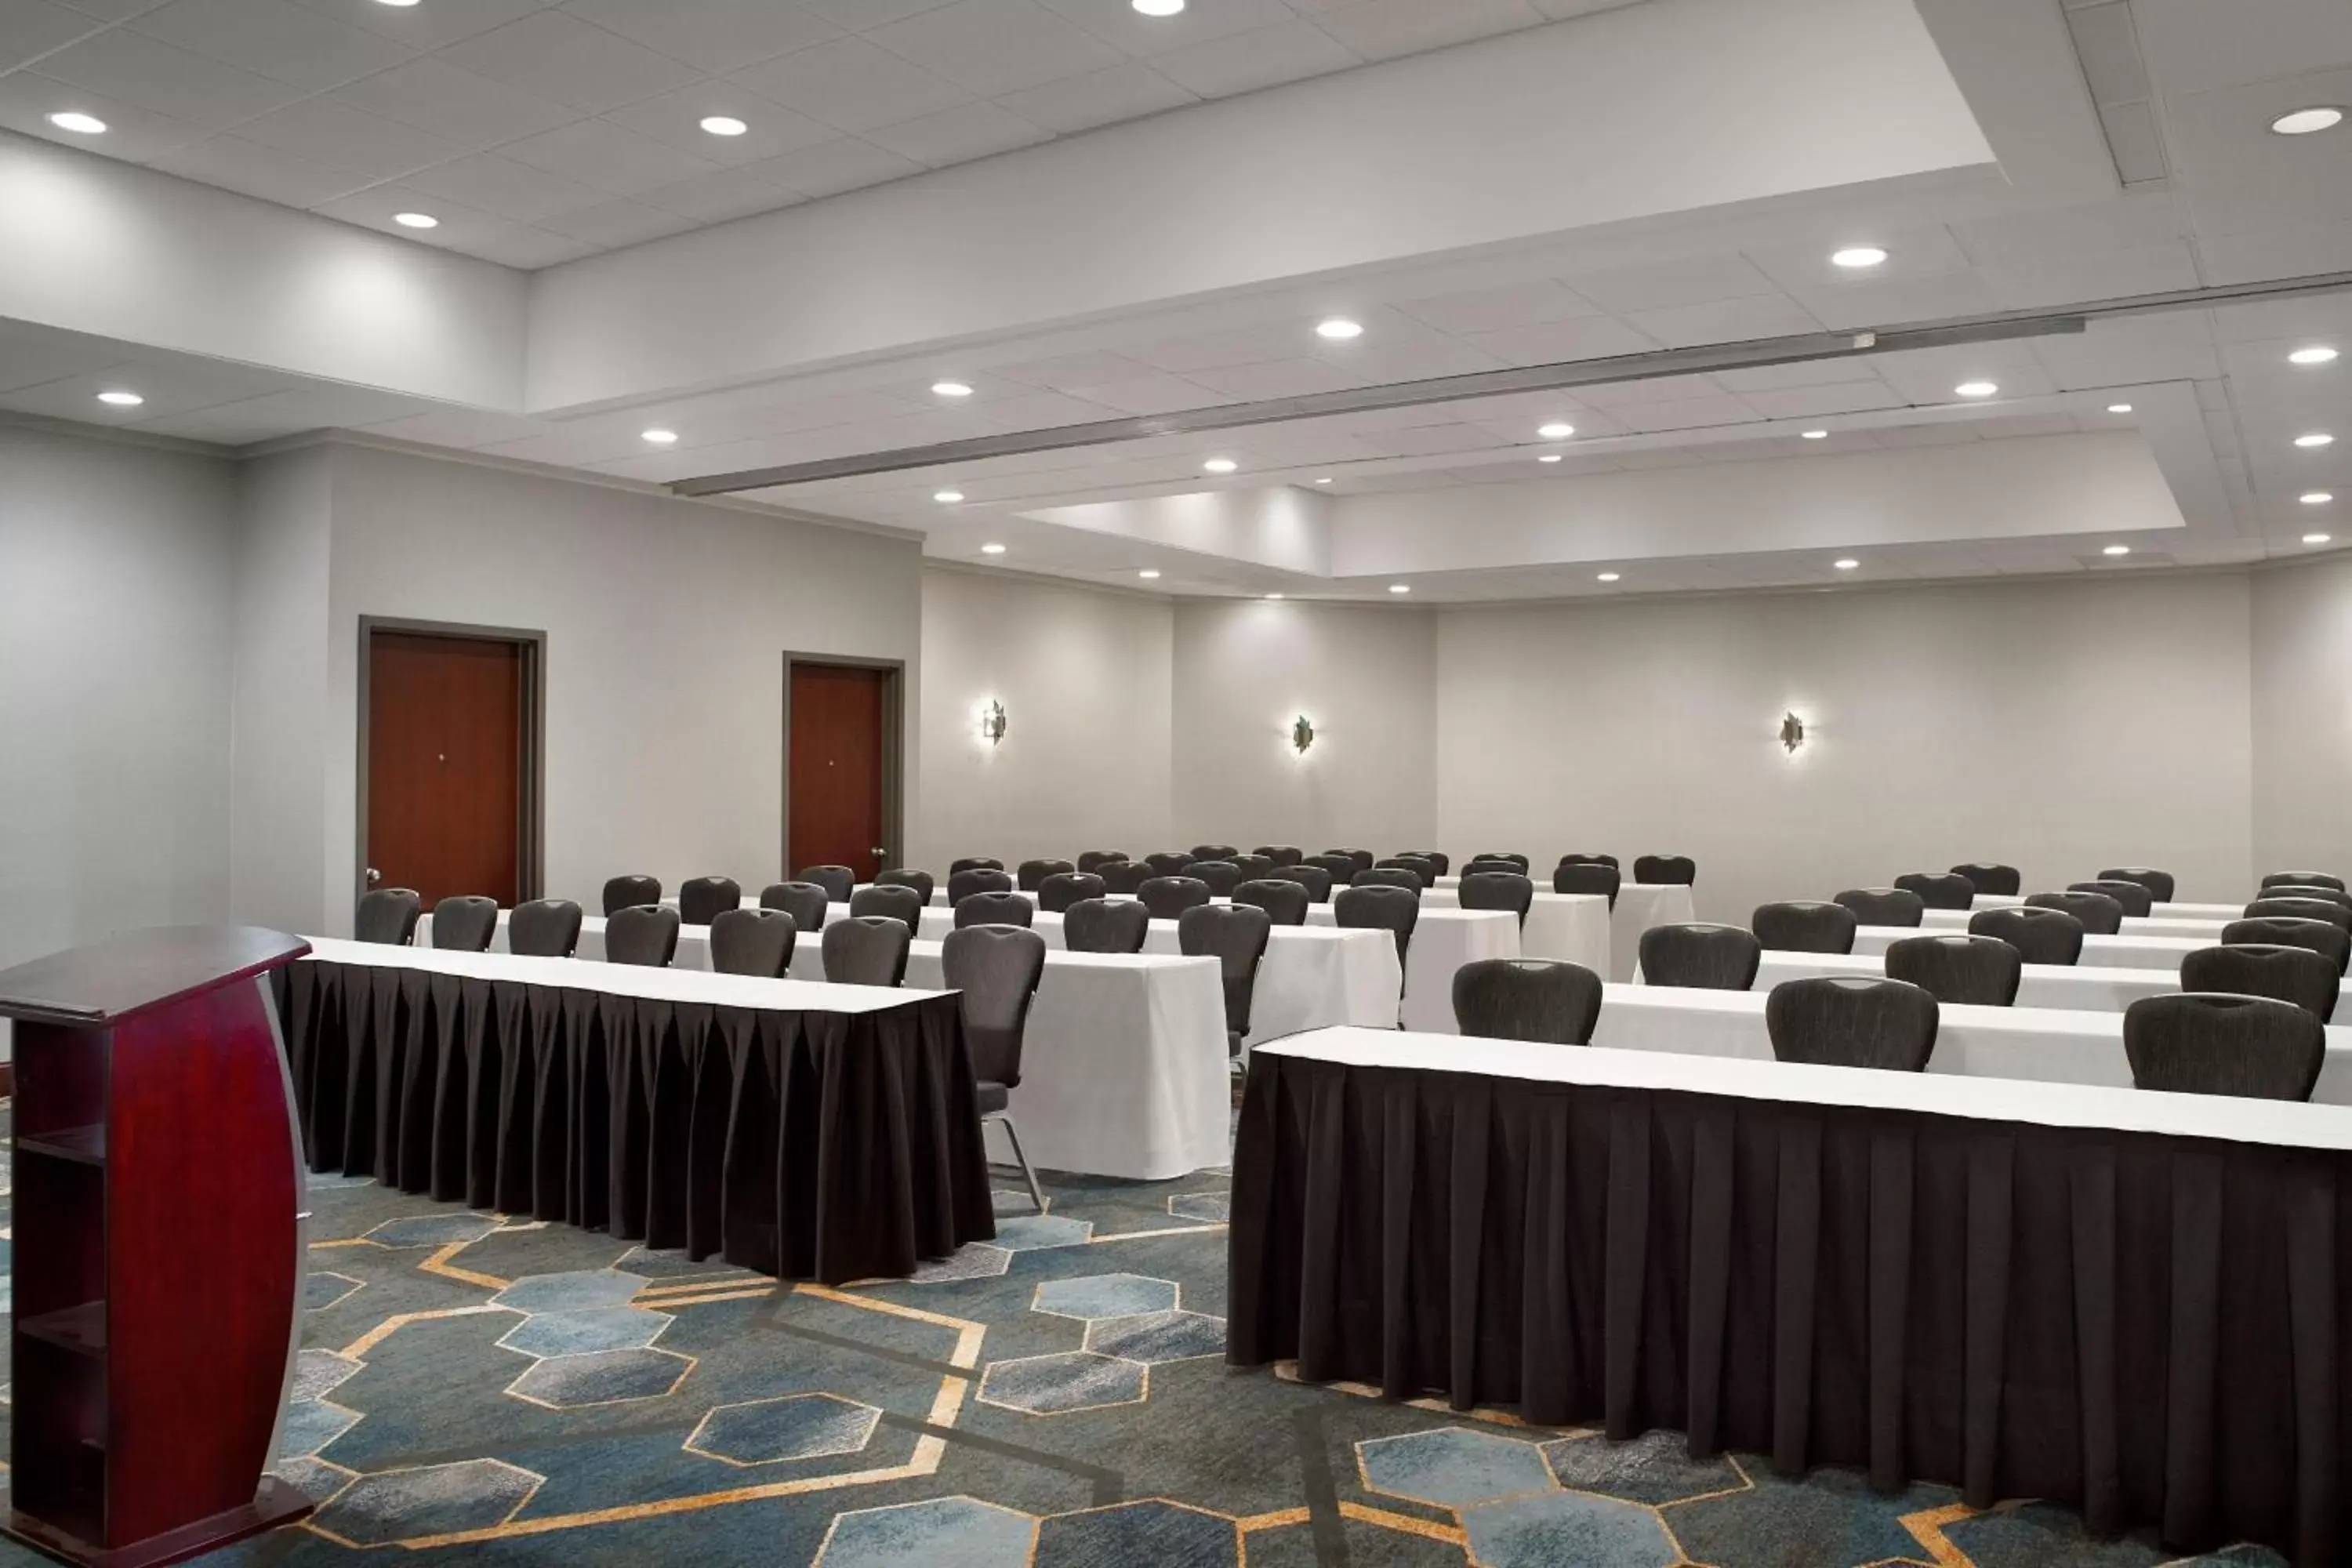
[278,769]
[2060,726]
[2302,717]
[1085,679]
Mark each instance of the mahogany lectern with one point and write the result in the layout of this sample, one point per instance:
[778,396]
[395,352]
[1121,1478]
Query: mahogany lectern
[158,1249]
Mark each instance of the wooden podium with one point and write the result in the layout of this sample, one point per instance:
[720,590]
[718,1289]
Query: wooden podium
[158,1247]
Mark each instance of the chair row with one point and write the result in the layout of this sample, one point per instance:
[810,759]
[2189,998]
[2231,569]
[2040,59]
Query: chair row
[2048,928]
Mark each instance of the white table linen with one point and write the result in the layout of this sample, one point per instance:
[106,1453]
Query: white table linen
[799,993]
[1570,926]
[1443,942]
[2163,952]
[1640,906]
[693,941]
[1946,921]
[2086,989]
[2224,912]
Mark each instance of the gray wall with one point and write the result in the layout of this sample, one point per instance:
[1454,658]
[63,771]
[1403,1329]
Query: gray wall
[2302,717]
[278,772]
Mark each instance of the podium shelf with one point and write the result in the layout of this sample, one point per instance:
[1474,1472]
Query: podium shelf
[83,1145]
[81,1329]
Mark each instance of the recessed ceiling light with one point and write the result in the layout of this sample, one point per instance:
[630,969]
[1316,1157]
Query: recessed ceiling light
[949,498]
[1557,430]
[2303,122]
[662,437]
[2116,550]
[404,3]
[1858,256]
[1159,7]
[2316,439]
[417,220]
[1399,587]
[1976,389]
[1220,466]
[2119,408]
[1273,595]
[2311,356]
[1324,481]
[1548,457]
[1848,564]
[121,399]
[2316,538]
[1338,329]
[2317,497]
[950,389]
[1814,434]
[80,125]
[1149,574]
[1606,577]
[992,550]
[724,125]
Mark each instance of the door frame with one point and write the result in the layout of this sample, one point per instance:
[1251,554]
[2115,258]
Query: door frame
[894,713]
[531,829]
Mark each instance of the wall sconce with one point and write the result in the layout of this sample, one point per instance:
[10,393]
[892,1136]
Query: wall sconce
[1302,735]
[991,723]
[1792,732]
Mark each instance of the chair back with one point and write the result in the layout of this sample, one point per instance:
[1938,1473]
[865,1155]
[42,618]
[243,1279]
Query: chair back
[1519,863]
[1804,926]
[2134,898]
[904,905]
[1124,876]
[701,898]
[907,876]
[627,892]
[1608,860]
[1362,858]
[1401,877]
[1106,925]
[1281,855]
[1425,870]
[1284,902]
[963,884]
[975,863]
[1940,890]
[465,924]
[2303,879]
[1701,957]
[1884,906]
[1169,862]
[2005,881]
[804,901]
[1588,876]
[1314,879]
[839,882]
[543,928]
[753,941]
[1538,999]
[1971,971]
[388,916]
[1222,876]
[1479,863]
[1063,888]
[2040,935]
[2297,975]
[1444,862]
[643,934]
[1092,859]
[2158,884]
[1380,906]
[865,950]
[1033,873]
[1253,867]
[2299,891]
[2193,1042]
[2301,910]
[1851,1021]
[2100,915]
[995,971]
[1672,869]
[1169,897]
[1214,851]
[1512,890]
[995,910]
[2329,941]
[1340,869]
[1234,935]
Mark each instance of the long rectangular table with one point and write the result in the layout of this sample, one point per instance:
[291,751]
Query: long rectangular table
[1574,927]
[2125,951]
[2081,988]
[2173,912]
[807,1131]
[1944,922]
[2129,1303]
[1640,906]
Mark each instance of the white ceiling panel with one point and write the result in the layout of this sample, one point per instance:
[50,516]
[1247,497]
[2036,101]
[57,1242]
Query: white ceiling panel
[347,137]
[252,169]
[28,98]
[712,35]
[829,168]
[556,56]
[31,28]
[958,135]
[1247,62]
[1126,91]
[285,42]
[990,47]
[136,68]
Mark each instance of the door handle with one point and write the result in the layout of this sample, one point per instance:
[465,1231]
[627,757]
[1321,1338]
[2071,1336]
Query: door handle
[879,853]
[373,876]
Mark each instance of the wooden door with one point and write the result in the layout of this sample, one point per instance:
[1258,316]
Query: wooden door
[445,764]
[839,762]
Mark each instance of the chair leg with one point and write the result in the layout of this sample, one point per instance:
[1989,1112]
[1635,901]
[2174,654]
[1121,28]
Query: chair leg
[1036,1194]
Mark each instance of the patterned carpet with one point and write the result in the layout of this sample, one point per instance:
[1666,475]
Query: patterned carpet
[491,1391]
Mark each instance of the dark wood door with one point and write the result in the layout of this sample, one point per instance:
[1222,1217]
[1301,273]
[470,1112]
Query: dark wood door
[839,717]
[445,764]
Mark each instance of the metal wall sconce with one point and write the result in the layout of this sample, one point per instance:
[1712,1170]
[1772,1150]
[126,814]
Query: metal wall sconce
[1792,732]
[1302,735]
[991,723]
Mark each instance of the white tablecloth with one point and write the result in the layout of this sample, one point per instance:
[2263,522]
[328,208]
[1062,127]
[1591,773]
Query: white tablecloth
[2085,989]
[2163,952]
[1443,942]
[1640,906]
[693,941]
[1945,921]
[1570,926]
[2223,913]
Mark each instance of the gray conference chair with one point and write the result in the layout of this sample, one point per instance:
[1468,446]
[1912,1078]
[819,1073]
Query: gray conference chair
[1588,876]
[2199,1043]
[388,916]
[1234,935]
[2298,890]
[1700,957]
[2297,975]
[963,884]
[1340,869]
[2303,879]
[1884,906]
[627,892]
[1284,902]
[1481,863]
[1940,890]
[1439,859]
[2040,935]
[1362,858]
[2300,910]
[1281,855]
[1804,926]
[907,876]
[1033,873]
[645,935]
[1512,890]
[975,863]
[839,882]
[2134,898]
[804,901]
[1608,860]
[1377,906]
[1214,851]
[1971,971]
[1424,869]
[2160,884]
[1222,876]
[1089,859]
[543,928]
[1669,870]
[1314,879]
[1063,888]
[2005,881]
[995,910]
[2100,915]
[1106,925]
[1167,862]
[904,905]
[1124,876]
[1169,897]
[1519,863]
[1851,1021]
[753,941]
[995,971]
[2331,943]
[865,950]
[700,900]
[1253,867]
[1542,1000]
[1401,877]
[465,924]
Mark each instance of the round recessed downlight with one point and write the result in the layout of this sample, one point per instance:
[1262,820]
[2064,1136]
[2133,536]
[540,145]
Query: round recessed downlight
[417,220]
[121,399]
[2316,439]
[403,5]
[1219,466]
[1272,596]
[1557,430]
[1548,457]
[1149,574]
[2314,356]
[2116,550]
[1324,481]
[950,389]
[2316,538]
[2317,497]
[662,437]
[724,125]
[1976,389]
[1606,577]
[992,549]
[1848,564]
[1857,256]
[1399,587]
[946,498]
[79,123]
[2303,122]
[1159,7]
[2119,408]
[1338,329]
[1814,435]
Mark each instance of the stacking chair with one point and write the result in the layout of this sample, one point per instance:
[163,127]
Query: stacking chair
[1508,864]
[753,941]
[996,970]
[1341,869]
[388,916]
[1940,890]
[804,901]
[643,934]
[2192,1042]
[2331,943]
[1253,867]
[701,898]
[543,928]
[963,884]
[865,950]
[1381,907]
[1124,876]
[2100,915]
[1033,873]
[1444,863]
[1362,858]
[2134,898]
[904,905]
[1588,876]
[1804,926]
[1519,863]
[1234,935]
[465,924]
[1090,860]
[1512,890]
[1424,869]
[1169,897]
[2298,890]
[1106,925]
[2300,910]
[1284,902]
[2004,882]
[627,892]
[1701,957]
[2160,884]
[1851,1021]
[1214,851]
[907,876]
[1222,876]
[975,863]
[2041,935]
[2297,975]
[1281,855]
[1399,876]
[1884,906]
[2303,879]
[1063,888]
[1314,879]
[995,910]
[1973,971]
[839,882]
[1167,862]
[1672,870]
[1539,999]
[1608,860]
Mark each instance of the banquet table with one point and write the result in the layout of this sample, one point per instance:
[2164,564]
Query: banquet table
[693,941]
[2163,911]
[2127,1303]
[1124,1067]
[1948,922]
[807,1131]
[1570,926]
[1640,906]
[2124,951]
[2079,988]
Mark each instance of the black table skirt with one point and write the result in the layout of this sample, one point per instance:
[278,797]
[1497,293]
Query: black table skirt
[828,1146]
[2151,1329]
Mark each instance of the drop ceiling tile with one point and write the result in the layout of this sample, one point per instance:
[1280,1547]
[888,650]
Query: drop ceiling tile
[113,10]
[32,355]
[1656,389]
[287,413]
[1407,355]
[498,185]
[28,99]
[2176,345]
[285,42]
[1500,308]
[1837,397]
[1896,301]
[1076,103]
[251,169]
[1685,414]
[374,207]
[2148,269]
[463,428]
[1562,343]
[676,118]
[715,34]
[1424,441]
[852,85]
[426,26]
[608,157]
[31,28]
[1811,373]
[2195,45]
[995,46]
[1240,345]
[1262,58]
[720,197]
[1567,10]
[1658,286]
[1277,378]
[529,250]
[832,167]
[616,224]
[1384,29]
[1065,373]
[957,135]
[1151,395]
[1118,23]
[169,386]
[172,81]
[431,94]
[330,131]
[859,15]
[1725,321]
[2064,234]
[1912,251]
[565,60]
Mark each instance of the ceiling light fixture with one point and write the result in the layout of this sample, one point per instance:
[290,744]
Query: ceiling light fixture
[1219,466]
[1557,430]
[1338,329]
[79,123]
[1273,595]
[2316,439]
[1976,389]
[1606,577]
[1399,587]
[1548,457]
[1149,574]
[950,389]
[121,399]
[2119,408]
[724,125]
[2315,355]
[1159,8]
[2116,550]
[402,4]
[992,549]
[1814,435]
[2316,538]
[2303,122]
[1848,564]
[946,498]
[1857,256]
[2317,497]
[1324,481]
[662,437]
[417,220]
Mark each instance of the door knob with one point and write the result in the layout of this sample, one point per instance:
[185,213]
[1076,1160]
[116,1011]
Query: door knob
[879,853]
[373,876]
